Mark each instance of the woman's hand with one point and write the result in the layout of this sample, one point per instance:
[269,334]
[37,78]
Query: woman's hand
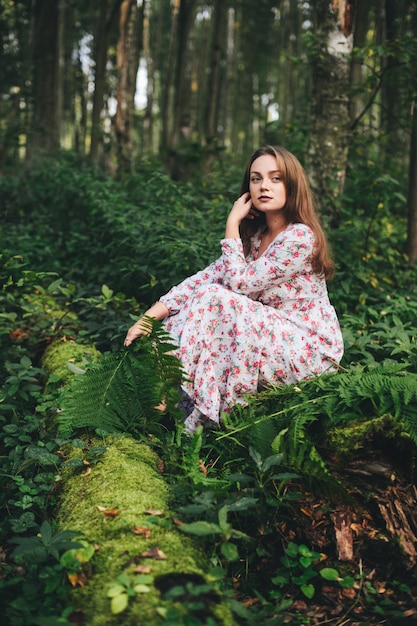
[136,331]
[241,210]
[158,311]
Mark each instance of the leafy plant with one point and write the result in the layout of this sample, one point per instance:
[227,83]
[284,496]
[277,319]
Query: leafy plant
[300,415]
[123,390]
[36,584]
[124,588]
[299,567]
[46,544]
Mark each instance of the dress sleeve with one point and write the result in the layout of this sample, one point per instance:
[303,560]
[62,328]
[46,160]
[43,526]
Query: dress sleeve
[178,295]
[288,255]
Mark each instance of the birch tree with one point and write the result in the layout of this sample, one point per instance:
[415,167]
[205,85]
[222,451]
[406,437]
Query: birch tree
[330,123]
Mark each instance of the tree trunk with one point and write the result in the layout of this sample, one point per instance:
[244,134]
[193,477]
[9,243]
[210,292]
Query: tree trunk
[128,49]
[214,79]
[181,109]
[360,31]
[167,84]
[47,55]
[412,188]
[391,99]
[329,137]
[100,59]
[228,79]
[148,146]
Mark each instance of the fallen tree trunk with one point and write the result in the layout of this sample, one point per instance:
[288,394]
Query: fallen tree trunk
[121,506]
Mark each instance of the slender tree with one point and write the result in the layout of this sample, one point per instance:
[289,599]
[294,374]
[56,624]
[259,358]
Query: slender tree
[215,78]
[329,137]
[15,77]
[128,49]
[106,24]
[181,126]
[412,179]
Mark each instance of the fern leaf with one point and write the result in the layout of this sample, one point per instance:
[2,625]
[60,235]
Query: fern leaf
[120,391]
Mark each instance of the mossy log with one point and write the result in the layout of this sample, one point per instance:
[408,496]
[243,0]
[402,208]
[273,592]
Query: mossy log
[121,506]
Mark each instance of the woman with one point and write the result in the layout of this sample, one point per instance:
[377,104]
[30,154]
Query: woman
[260,314]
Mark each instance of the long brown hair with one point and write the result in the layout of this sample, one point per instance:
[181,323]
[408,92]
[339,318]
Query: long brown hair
[299,207]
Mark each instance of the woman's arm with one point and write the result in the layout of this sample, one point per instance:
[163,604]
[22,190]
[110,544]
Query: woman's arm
[178,295]
[288,255]
[158,311]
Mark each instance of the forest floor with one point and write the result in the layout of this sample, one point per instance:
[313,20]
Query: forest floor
[373,535]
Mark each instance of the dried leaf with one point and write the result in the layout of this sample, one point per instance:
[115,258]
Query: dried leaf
[356,528]
[78,579]
[108,512]
[142,569]
[154,512]
[142,530]
[155,553]
[350,594]
[87,472]
[306,512]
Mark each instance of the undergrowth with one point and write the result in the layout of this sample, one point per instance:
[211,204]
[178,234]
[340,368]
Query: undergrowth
[234,489]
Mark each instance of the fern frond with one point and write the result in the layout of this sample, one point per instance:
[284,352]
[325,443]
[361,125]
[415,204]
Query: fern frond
[293,418]
[120,391]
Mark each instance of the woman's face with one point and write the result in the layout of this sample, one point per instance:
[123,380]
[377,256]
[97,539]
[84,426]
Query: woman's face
[266,185]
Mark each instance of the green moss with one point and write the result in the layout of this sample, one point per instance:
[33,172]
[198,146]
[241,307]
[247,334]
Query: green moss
[352,437]
[127,481]
[60,354]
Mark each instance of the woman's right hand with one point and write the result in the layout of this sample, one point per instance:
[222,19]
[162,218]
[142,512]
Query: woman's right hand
[136,331]
[158,311]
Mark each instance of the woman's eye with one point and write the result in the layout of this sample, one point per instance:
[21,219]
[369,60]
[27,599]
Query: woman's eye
[276,179]
[255,179]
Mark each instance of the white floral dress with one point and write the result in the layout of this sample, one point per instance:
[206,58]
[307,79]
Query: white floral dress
[242,322]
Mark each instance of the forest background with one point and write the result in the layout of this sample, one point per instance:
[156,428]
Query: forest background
[124,129]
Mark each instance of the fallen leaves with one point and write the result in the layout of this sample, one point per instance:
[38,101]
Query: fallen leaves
[156,512]
[154,553]
[142,569]
[78,579]
[144,531]
[107,512]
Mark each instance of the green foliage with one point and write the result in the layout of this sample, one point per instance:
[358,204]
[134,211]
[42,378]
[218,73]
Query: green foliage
[108,232]
[37,583]
[33,581]
[299,416]
[122,390]
[300,565]
[124,587]
[233,488]
[46,545]
[369,244]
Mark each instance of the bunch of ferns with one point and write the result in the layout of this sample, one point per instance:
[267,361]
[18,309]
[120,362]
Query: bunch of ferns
[121,392]
[295,419]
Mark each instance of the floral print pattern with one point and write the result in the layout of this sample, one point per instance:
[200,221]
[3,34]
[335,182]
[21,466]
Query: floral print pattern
[242,323]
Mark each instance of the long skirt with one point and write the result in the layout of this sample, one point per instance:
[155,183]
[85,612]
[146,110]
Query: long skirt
[230,346]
